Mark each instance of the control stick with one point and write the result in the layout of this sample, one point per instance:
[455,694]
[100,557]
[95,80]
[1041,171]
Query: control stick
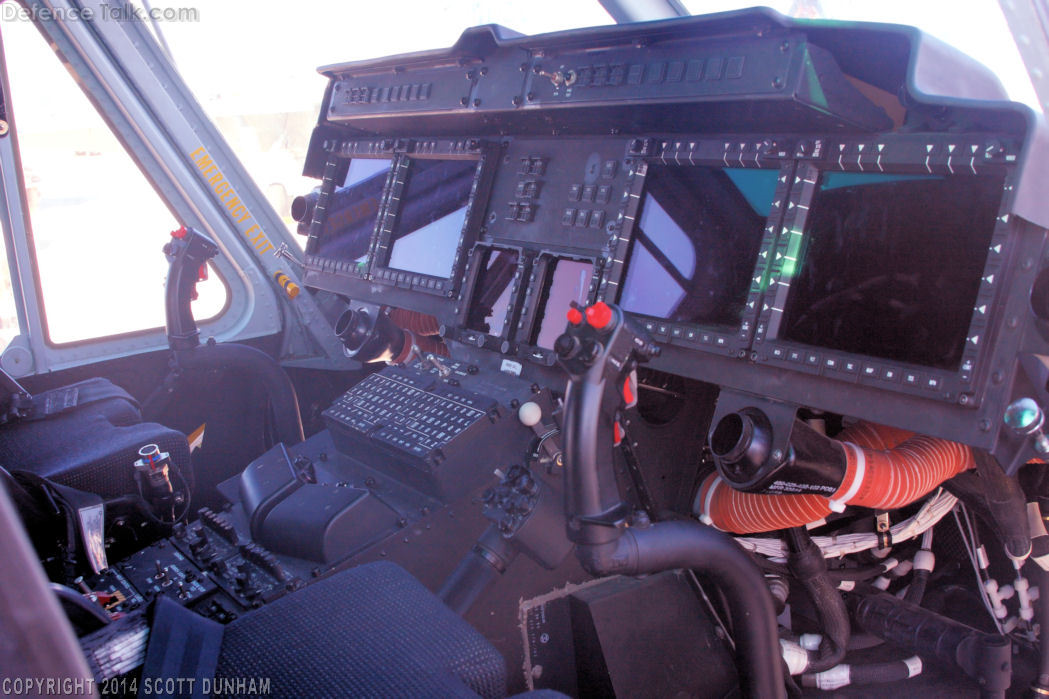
[188,253]
[600,349]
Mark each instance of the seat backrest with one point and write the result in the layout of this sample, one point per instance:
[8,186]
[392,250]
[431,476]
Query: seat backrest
[87,436]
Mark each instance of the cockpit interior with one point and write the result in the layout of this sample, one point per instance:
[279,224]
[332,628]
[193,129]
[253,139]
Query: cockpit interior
[705,356]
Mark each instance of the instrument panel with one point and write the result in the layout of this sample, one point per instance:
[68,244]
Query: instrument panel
[827,269]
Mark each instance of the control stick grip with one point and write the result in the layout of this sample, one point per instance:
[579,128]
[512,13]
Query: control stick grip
[601,348]
[187,251]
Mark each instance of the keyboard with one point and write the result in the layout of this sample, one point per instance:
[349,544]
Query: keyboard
[421,429]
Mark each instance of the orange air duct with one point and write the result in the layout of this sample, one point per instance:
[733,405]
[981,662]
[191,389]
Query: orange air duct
[418,323]
[886,468]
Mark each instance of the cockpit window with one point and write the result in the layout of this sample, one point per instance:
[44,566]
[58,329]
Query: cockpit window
[265,98]
[979,31]
[98,225]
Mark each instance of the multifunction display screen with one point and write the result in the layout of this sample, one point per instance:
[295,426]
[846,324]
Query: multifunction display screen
[566,281]
[430,216]
[696,242]
[352,212]
[492,294]
[890,265]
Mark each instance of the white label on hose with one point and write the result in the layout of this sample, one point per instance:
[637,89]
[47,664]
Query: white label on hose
[981,557]
[847,585]
[796,657]
[914,666]
[834,678]
[838,504]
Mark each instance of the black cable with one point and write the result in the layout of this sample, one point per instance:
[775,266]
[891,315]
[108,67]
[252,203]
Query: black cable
[186,505]
[189,496]
[875,673]
[810,569]
[868,673]
[856,574]
[916,590]
[141,506]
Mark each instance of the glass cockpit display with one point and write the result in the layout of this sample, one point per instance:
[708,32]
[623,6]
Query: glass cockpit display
[353,210]
[566,281]
[430,216]
[891,265]
[493,293]
[696,241]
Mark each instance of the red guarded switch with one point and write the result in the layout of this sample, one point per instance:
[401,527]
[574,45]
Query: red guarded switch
[599,315]
[575,316]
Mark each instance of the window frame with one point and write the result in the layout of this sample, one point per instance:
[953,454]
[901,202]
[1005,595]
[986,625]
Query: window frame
[140,96]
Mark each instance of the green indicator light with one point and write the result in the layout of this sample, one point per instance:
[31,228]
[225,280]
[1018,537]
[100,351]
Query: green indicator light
[790,259]
[1023,414]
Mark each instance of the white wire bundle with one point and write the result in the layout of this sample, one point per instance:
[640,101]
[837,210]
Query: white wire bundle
[934,509]
[968,534]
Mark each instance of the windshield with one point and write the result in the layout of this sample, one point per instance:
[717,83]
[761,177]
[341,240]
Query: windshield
[976,28]
[254,69]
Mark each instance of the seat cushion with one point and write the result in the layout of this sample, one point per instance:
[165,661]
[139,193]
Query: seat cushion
[371,631]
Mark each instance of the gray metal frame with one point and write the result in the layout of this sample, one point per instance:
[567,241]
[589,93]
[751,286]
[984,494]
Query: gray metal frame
[154,114]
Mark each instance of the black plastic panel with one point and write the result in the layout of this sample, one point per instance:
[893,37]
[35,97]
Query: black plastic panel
[587,132]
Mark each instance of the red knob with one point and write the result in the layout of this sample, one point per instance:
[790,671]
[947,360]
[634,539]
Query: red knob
[575,316]
[599,315]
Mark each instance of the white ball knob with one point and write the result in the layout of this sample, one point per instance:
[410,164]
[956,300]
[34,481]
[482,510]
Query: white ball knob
[530,414]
